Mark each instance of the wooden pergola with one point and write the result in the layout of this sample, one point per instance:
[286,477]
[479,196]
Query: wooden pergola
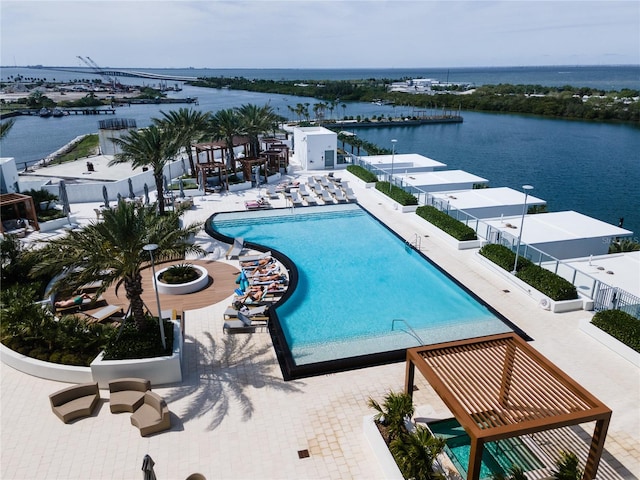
[499,387]
[14,200]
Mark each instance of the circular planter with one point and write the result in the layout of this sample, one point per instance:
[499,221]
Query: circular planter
[183,288]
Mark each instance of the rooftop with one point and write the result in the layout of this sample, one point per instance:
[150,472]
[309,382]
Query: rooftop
[486,197]
[235,418]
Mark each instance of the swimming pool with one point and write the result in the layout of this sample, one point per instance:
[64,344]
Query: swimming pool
[497,457]
[360,290]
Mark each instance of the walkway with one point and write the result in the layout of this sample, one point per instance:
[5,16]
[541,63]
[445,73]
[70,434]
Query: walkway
[235,418]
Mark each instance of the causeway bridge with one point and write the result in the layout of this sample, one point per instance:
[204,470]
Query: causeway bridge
[127,73]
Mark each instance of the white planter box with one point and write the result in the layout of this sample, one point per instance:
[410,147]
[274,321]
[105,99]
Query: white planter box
[183,288]
[455,243]
[48,370]
[543,301]
[380,450]
[275,178]
[159,370]
[56,224]
[614,344]
[237,187]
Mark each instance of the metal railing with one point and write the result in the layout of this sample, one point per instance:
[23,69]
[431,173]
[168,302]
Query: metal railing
[604,296]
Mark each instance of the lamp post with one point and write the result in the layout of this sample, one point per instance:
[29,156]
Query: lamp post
[152,247]
[526,189]
[393,154]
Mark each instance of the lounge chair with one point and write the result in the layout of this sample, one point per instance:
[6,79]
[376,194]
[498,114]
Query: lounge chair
[236,249]
[348,193]
[311,200]
[86,303]
[152,416]
[326,197]
[339,196]
[74,402]
[296,200]
[271,192]
[254,258]
[103,313]
[244,324]
[303,191]
[257,204]
[257,311]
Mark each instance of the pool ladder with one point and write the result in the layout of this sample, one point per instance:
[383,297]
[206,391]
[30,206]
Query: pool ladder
[417,242]
[411,331]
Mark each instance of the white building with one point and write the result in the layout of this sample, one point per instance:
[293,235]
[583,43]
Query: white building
[315,148]
[440,181]
[561,235]
[488,202]
[403,163]
[8,175]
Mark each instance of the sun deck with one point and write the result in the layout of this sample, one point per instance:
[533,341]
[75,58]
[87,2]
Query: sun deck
[233,397]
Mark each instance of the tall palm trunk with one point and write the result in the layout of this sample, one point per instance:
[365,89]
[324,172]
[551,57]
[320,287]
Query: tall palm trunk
[160,190]
[133,290]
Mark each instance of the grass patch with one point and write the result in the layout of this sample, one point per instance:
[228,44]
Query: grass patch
[87,147]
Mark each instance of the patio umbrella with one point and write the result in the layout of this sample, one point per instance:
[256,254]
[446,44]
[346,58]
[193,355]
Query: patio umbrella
[105,195]
[201,180]
[146,194]
[147,468]
[181,185]
[132,195]
[64,198]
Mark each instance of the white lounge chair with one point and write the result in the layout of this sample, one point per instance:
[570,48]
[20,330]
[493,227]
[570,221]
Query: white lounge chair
[303,191]
[236,249]
[326,197]
[348,192]
[296,199]
[339,196]
[254,258]
[244,324]
[271,192]
[103,313]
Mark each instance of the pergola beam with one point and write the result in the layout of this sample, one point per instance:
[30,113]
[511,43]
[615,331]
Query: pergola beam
[499,387]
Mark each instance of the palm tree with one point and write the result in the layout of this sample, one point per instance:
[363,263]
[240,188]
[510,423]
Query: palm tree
[5,127]
[111,251]
[150,147]
[514,473]
[186,125]
[256,121]
[415,453]
[567,467]
[393,412]
[225,125]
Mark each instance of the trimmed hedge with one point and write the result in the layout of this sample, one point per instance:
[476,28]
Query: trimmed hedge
[397,194]
[362,173]
[546,282]
[146,343]
[444,222]
[620,325]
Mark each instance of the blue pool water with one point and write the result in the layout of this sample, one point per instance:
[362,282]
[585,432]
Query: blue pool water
[355,278]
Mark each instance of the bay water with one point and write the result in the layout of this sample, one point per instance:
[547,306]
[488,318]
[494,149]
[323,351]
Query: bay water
[589,167]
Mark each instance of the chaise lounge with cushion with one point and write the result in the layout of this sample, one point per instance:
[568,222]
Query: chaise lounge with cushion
[152,416]
[75,402]
[127,394]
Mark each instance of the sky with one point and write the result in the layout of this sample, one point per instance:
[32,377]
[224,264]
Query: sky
[319,33]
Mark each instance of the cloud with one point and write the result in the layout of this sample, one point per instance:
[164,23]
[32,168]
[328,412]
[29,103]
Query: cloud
[320,34]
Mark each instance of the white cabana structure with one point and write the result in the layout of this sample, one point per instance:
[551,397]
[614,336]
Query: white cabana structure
[488,202]
[440,181]
[403,163]
[561,235]
[315,147]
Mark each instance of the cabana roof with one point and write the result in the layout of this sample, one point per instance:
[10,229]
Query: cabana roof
[499,387]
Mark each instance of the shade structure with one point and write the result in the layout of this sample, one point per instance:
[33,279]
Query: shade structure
[64,197]
[500,387]
[147,468]
[105,196]
[132,195]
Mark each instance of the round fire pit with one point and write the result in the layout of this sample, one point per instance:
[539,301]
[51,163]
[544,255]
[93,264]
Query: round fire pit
[183,288]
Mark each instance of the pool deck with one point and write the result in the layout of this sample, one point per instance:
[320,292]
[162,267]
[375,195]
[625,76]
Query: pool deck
[233,417]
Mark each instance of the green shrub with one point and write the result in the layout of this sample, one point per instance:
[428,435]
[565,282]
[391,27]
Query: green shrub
[181,273]
[72,359]
[132,343]
[444,222]
[362,173]
[546,282]
[620,325]
[396,193]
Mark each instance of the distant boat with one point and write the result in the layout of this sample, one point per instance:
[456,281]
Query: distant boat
[45,112]
[57,112]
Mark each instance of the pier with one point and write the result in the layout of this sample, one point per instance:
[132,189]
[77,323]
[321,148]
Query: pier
[396,122]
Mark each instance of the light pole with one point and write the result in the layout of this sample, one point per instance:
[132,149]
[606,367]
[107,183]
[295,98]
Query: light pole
[152,247]
[393,154]
[526,189]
